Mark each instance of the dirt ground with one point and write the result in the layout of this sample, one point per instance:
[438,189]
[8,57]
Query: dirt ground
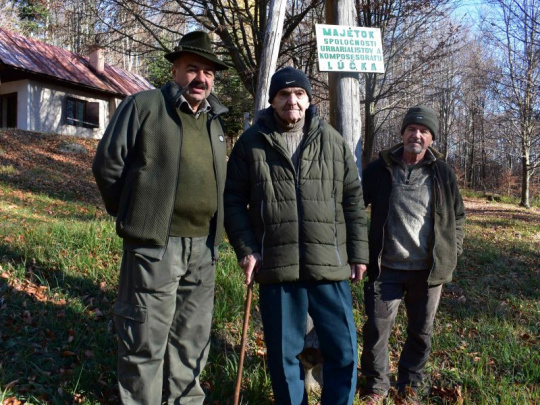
[483,207]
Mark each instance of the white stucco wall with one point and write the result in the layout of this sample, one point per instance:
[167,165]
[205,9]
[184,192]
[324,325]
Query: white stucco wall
[42,108]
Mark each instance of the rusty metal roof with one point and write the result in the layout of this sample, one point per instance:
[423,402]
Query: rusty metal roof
[36,57]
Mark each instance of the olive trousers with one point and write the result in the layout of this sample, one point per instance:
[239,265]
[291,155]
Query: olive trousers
[163,317]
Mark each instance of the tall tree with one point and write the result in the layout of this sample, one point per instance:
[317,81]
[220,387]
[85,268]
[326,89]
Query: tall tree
[33,16]
[515,35]
[9,14]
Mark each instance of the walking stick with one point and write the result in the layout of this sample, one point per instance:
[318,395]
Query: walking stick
[243,344]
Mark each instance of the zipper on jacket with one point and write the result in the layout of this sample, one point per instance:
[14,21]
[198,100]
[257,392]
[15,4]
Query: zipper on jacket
[340,262]
[437,191]
[437,198]
[309,137]
[176,185]
[299,213]
[264,231]
[379,256]
[214,163]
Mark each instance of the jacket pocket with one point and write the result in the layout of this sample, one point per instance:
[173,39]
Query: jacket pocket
[131,326]
[126,199]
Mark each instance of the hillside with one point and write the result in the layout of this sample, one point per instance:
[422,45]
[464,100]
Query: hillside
[57,165]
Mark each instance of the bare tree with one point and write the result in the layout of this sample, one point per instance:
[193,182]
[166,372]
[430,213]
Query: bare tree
[413,41]
[149,26]
[9,14]
[515,35]
[473,98]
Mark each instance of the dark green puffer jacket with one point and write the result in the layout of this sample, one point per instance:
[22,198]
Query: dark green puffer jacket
[137,161]
[306,227]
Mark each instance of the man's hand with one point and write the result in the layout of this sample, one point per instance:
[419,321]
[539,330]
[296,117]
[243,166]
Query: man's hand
[250,264]
[357,272]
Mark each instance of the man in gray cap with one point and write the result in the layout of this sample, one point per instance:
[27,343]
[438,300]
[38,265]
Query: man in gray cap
[160,168]
[416,234]
[295,217]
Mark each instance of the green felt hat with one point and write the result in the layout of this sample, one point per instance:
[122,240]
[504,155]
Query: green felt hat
[197,42]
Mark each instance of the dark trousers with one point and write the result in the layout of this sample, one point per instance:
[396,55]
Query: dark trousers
[382,299]
[163,316]
[284,309]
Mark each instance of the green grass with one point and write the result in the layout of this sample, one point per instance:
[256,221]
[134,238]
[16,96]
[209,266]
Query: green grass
[59,263]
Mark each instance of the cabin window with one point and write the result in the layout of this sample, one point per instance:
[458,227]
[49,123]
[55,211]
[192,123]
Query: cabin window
[82,113]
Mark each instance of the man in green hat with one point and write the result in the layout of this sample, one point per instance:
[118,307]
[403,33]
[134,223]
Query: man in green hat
[160,168]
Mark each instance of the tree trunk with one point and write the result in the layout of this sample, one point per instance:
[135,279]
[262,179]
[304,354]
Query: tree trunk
[525,178]
[344,89]
[471,156]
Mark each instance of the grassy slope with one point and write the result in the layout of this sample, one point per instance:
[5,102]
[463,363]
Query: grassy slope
[58,270]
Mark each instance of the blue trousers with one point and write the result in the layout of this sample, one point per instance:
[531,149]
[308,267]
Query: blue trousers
[382,298]
[284,308]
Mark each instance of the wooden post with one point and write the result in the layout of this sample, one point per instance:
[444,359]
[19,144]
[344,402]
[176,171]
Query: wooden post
[344,88]
[270,53]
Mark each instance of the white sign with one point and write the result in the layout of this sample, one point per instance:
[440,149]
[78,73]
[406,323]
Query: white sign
[341,48]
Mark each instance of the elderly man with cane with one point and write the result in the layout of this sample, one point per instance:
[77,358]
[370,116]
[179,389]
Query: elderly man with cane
[295,217]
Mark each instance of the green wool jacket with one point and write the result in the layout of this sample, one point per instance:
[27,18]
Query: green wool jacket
[448,214]
[136,165]
[307,226]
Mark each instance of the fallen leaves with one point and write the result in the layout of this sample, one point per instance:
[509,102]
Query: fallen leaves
[29,288]
[40,164]
[448,395]
[11,401]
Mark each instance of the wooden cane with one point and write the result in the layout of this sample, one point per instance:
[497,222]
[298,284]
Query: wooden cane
[243,344]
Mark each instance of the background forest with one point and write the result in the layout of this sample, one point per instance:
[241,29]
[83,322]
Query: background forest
[476,62]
